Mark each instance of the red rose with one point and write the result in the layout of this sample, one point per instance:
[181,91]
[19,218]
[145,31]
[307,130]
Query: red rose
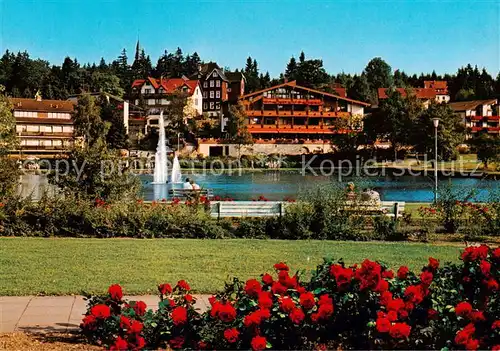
[300,289]
[382,286]
[463,309]
[432,314]
[212,300]
[472,344]
[202,345]
[342,275]
[403,314]
[119,345]
[495,325]
[403,272]
[496,253]
[88,321]
[291,282]
[115,291]
[426,278]
[264,313]
[392,316]
[400,331]
[496,348]
[396,305]
[297,316]
[252,319]
[385,298]
[165,289]
[278,288]
[100,311]
[383,325]
[283,276]
[464,335]
[414,294]
[265,300]
[252,288]
[307,300]
[258,343]
[287,304]
[179,315]
[188,298]
[281,267]
[433,263]
[325,311]
[267,279]
[477,316]
[492,284]
[135,327]
[171,302]
[231,335]
[183,285]
[325,299]
[485,267]
[177,342]
[226,313]
[140,308]
[388,274]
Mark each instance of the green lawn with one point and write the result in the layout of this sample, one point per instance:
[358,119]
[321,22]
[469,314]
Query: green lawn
[69,266]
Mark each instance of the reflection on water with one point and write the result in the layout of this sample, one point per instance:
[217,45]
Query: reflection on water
[276,185]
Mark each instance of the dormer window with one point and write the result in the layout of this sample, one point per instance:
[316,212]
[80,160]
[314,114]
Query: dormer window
[214,74]
[147,91]
[161,90]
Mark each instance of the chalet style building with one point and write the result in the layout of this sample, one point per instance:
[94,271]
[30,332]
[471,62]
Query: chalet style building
[292,119]
[220,88]
[433,90]
[44,127]
[479,116]
[295,112]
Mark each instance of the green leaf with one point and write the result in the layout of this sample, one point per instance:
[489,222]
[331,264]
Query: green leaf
[268,345]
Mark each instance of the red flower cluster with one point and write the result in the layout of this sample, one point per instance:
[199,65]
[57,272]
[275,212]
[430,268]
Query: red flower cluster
[115,292]
[183,285]
[224,311]
[369,275]
[253,288]
[473,253]
[179,315]
[165,289]
[231,335]
[342,275]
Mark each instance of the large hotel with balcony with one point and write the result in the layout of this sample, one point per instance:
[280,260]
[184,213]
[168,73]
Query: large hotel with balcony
[43,126]
[480,116]
[292,112]
[292,119]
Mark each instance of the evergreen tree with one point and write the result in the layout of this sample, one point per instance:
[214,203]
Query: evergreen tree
[379,75]
[8,141]
[360,89]
[251,73]
[88,123]
[116,138]
[291,69]
[265,80]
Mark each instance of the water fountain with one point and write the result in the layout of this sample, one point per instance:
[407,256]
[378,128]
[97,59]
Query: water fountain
[176,176]
[160,175]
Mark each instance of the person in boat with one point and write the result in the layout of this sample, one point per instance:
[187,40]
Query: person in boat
[187,184]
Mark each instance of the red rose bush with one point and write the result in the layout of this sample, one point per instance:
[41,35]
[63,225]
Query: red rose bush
[364,306]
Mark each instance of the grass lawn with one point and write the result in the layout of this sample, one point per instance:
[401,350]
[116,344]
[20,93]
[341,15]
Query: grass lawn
[69,266]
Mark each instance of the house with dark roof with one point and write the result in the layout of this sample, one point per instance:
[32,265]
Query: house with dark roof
[220,88]
[479,116]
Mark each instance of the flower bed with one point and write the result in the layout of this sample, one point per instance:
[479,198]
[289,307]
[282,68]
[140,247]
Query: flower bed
[365,306]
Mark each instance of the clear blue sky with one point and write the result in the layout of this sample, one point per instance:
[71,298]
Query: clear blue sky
[413,36]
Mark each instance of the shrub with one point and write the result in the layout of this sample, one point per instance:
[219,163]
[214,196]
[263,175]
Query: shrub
[365,306]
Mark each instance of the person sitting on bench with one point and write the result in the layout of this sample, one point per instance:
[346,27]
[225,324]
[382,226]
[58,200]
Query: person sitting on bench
[187,185]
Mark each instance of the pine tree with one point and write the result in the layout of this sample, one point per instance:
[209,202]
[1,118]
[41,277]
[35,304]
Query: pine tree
[291,70]
[8,142]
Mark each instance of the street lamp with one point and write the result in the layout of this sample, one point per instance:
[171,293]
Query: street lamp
[178,141]
[435,122]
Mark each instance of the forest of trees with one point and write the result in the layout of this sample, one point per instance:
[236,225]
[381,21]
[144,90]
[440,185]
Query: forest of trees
[23,76]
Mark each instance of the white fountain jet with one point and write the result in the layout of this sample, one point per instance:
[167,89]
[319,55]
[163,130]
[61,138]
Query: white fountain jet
[160,175]
[176,176]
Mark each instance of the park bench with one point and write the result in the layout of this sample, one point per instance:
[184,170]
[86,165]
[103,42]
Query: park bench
[225,209]
[187,194]
[228,209]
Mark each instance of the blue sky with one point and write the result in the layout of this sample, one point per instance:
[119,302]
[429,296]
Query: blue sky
[413,36]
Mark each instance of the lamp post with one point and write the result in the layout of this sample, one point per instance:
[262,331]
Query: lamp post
[178,141]
[435,122]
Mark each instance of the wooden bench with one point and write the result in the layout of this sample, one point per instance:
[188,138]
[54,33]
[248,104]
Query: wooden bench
[227,209]
[393,209]
[184,194]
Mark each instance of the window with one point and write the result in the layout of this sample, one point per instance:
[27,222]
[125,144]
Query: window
[217,83]
[147,91]
[211,105]
[211,84]
[217,95]
[196,101]
[211,95]
[214,74]
[205,94]
[205,105]
[157,101]
[205,84]
[161,91]
[217,106]
[228,90]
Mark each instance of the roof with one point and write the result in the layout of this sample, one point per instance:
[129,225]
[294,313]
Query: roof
[293,83]
[170,85]
[22,104]
[470,105]
[235,76]
[436,84]
[421,93]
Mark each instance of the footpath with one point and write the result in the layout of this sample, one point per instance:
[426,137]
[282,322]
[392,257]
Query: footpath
[41,314]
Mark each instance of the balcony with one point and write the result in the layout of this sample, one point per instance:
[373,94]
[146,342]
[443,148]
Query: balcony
[274,113]
[288,128]
[300,113]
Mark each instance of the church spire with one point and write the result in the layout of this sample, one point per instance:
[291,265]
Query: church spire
[137,50]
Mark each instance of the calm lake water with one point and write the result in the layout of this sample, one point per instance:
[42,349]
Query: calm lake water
[277,185]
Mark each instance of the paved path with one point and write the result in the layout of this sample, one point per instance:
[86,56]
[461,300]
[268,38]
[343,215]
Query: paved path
[57,313]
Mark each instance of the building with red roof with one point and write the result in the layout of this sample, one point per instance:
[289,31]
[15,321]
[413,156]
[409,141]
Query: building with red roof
[433,90]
